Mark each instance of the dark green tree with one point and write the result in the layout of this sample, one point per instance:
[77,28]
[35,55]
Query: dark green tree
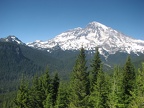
[128,80]
[22,97]
[48,103]
[36,93]
[95,66]
[79,83]
[46,83]
[63,96]
[52,92]
[138,92]
[116,90]
[99,96]
[55,86]
[46,89]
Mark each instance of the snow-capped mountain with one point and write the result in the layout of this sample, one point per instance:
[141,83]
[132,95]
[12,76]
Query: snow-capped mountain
[12,39]
[93,35]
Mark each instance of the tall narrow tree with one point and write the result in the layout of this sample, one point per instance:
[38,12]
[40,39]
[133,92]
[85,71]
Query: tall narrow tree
[79,83]
[22,98]
[116,90]
[62,98]
[138,93]
[36,93]
[128,80]
[99,96]
[55,86]
[46,89]
[95,66]
[52,93]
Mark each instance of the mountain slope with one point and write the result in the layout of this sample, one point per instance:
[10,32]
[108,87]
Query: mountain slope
[93,35]
[12,39]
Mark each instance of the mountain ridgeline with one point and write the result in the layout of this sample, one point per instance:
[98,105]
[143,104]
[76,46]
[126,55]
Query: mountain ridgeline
[93,35]
[113,45]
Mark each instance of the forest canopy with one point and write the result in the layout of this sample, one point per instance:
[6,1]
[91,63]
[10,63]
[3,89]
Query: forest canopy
[93,88]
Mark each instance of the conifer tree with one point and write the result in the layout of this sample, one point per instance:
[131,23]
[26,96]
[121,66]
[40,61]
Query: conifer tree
[46,83]
[128,80]
[116,91]
[46,88]
[36,93]
[52,90]
[48,103]
[138,92]
[55,86]
[96,63]
[99,96]
[62,98]
[22,98]
[79,83]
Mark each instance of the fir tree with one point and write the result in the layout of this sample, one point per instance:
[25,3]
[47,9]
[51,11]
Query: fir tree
[51,96]
[79,83]
[116,90]
[22,98]
[138,92]
[48,103]
[128,80]
[99,96]
[62,98]
[55,86]
[36,94]
[46,83]
[46,89]
[96,63]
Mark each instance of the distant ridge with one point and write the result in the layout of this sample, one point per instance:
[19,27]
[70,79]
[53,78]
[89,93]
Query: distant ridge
[12,39]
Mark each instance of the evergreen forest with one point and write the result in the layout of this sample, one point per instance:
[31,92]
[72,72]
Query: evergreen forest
[88,87]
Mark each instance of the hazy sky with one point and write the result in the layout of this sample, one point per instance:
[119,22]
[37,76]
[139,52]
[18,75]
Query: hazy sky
[32,20]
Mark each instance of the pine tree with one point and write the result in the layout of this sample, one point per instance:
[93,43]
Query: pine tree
[138,92]
[55,86]
[79,83]
[36,93]
[128,80]
[46,83]
[99,96]
[116,90]
[46,89]
[96,63]
[50,100]
[62,98]
[22,98]
[48,103]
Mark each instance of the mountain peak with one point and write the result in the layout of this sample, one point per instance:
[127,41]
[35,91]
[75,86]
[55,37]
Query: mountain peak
[95,24]
[12,39]
[93,35]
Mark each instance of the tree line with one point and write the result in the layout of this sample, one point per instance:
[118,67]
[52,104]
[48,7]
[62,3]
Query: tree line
[92,88]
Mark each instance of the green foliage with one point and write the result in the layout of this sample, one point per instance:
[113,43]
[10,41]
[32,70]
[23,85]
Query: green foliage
[116,89]
[79,83]
[128,80]
[22,98]
[36,93]
[63,96]
[138,92]
[55,87]
[99,97]
[122,89]
[95,66]
[42,93]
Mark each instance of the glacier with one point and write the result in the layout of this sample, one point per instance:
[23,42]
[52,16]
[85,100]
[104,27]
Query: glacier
[93,35]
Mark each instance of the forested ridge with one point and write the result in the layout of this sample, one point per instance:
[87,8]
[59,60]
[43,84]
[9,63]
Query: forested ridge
[93,88]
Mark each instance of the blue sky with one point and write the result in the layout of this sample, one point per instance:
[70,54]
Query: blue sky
[32,20]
